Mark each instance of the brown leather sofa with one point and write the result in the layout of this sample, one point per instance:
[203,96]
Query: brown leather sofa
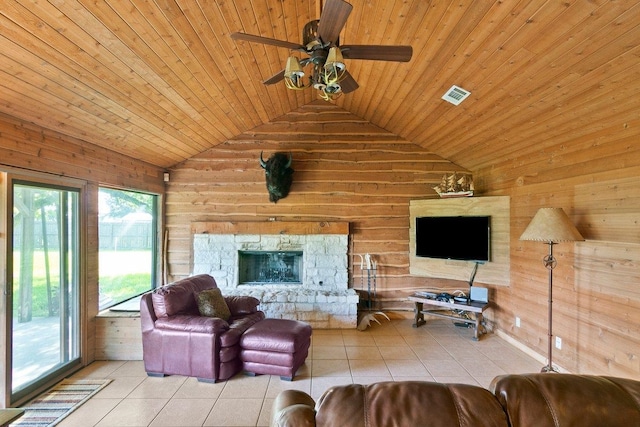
[529,400]
[177,340]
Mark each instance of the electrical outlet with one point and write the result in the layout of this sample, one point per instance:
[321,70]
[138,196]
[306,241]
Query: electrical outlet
[559,343]
[517,322]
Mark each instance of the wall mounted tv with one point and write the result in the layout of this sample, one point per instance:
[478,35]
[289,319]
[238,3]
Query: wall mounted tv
[466,238]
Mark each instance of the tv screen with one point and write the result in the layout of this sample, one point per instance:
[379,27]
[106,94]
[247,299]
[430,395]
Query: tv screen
[466,238]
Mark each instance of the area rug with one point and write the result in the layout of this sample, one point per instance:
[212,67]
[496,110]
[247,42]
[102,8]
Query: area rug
[54,405]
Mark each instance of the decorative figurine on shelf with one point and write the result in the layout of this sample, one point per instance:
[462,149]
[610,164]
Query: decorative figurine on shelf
[368,264]
[452,186]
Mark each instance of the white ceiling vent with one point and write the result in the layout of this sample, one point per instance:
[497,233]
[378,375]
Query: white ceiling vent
[456,95]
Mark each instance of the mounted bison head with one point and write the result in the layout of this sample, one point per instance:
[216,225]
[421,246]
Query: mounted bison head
[279,175]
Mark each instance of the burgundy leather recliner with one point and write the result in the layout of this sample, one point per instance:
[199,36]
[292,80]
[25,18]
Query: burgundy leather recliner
[177,340]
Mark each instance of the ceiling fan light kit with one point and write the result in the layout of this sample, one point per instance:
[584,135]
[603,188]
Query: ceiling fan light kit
[321,42]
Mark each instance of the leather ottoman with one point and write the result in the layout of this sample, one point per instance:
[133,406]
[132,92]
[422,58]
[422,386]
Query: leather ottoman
[275,347]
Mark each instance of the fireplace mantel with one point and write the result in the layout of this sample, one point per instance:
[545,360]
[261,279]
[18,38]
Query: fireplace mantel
[270,227]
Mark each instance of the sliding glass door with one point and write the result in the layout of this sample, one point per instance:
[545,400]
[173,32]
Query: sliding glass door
[45,305]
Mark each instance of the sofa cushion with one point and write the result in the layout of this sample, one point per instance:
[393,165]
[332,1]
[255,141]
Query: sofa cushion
[180,297]
[211,303]
[197,324]
[409,403]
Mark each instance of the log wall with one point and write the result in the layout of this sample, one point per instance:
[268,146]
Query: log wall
[596,294]
[346,170]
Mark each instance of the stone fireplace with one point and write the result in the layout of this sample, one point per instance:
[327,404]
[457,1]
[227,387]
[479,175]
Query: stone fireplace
[298,270]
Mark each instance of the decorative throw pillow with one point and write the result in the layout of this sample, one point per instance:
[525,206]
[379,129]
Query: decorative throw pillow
[211,303]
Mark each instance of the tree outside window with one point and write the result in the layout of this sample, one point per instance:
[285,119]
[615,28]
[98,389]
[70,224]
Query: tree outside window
[127,227]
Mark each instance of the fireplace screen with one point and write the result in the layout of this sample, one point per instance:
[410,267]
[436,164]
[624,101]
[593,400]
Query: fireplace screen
[263,267]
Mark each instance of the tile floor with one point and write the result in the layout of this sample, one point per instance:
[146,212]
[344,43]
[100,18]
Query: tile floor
[394,351]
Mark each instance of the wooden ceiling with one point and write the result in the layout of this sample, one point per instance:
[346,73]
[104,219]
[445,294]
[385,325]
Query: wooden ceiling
[162,80]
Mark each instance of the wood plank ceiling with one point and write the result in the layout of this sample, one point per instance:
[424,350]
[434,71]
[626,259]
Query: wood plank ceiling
[162,80]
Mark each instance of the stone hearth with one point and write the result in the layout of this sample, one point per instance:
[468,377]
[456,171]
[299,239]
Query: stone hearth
[322,298]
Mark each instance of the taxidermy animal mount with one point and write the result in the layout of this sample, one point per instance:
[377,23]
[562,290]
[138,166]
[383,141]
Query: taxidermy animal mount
[278,174]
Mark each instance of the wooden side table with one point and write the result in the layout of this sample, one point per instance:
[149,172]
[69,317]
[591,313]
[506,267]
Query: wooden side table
[451,310]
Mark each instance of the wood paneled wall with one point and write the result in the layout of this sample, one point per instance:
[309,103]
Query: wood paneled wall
[346,170]
[596,299]
[30,148]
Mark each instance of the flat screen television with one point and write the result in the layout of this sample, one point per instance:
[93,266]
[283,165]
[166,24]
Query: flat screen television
[466,238]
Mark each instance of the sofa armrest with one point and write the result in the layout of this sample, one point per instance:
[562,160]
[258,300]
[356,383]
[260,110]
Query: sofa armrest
[553,399]
[188,323]
[293,408]
[241,305]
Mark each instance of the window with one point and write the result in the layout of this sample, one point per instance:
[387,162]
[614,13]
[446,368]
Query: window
[127,227]
[45,299]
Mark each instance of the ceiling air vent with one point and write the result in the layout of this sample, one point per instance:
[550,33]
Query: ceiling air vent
[456,95]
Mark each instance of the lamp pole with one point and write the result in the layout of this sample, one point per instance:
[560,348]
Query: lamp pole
[550,263]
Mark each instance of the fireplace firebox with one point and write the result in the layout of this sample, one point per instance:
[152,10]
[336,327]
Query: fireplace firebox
[270,267]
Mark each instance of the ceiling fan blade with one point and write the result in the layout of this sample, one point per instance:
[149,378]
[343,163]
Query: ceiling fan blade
[377,52]
[348,83]
[279,76]
[267,40]
[333,17]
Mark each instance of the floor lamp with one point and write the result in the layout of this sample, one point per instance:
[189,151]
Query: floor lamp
[551,225]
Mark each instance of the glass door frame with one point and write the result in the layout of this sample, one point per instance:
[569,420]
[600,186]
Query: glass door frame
[6,236]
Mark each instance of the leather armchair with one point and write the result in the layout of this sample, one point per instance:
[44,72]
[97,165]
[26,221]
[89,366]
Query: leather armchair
[177,340]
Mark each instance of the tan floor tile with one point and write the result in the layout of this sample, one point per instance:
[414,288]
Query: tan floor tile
[90,413]
[276,385]
[327,340]
[119,388]
[246,387]
[367,353]
[183,412]
[99,369]
[385,328]
[389,341]
[368,368]
[133,413]
[132,368]
[330,368]
[305,369]
[400,352]
[436,352]
[235,412]
[441,368]
[406,368]
[481,368]
[264,420]
[157,388]
[329,352]
[359,340]
[194,389]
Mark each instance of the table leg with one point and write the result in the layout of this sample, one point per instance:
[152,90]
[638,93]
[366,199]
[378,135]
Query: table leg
[477,326]
[419,316]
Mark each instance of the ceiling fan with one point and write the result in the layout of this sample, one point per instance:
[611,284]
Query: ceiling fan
[320,42]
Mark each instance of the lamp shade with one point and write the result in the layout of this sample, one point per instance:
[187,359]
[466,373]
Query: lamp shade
[551,225]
